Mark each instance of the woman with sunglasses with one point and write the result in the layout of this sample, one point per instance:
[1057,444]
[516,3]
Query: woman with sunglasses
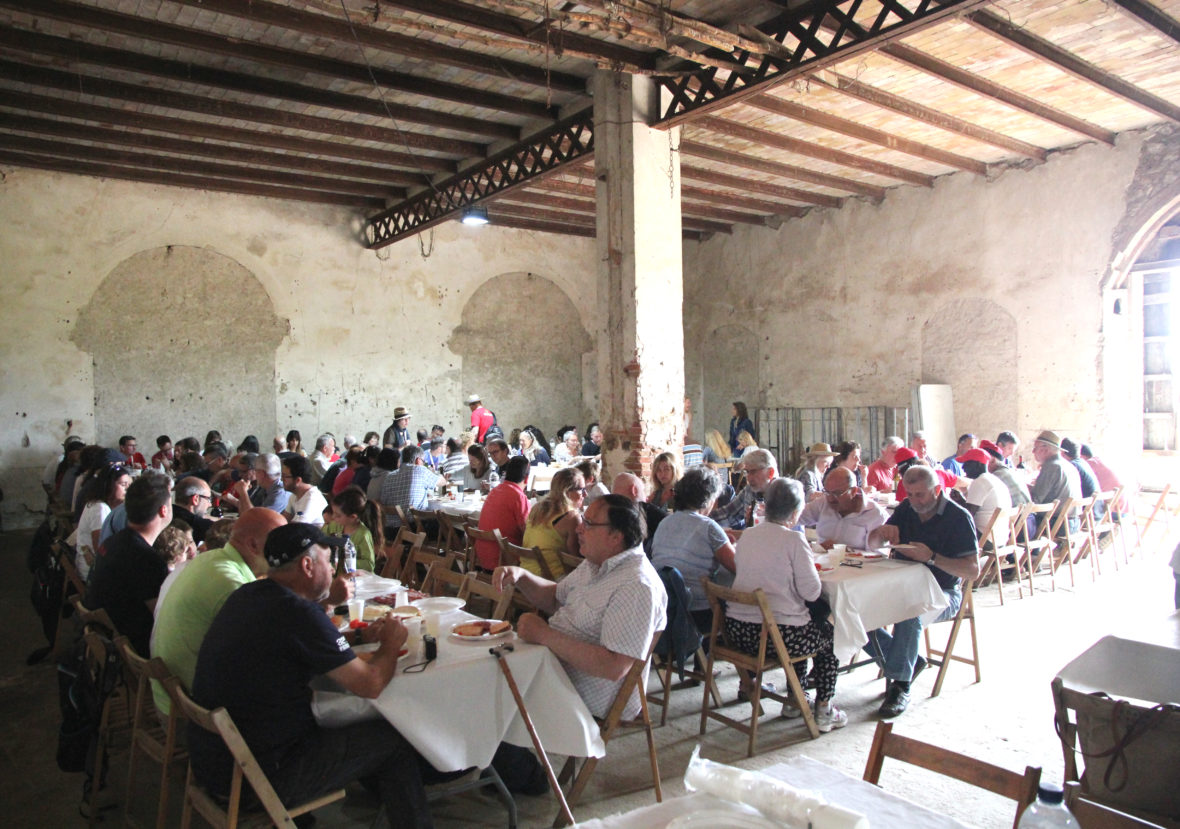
[103,492]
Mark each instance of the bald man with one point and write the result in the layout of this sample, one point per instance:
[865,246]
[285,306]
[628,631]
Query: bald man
[199,589]
[631,487]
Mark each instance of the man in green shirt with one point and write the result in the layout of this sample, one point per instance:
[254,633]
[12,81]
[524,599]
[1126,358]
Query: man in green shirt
[199,591]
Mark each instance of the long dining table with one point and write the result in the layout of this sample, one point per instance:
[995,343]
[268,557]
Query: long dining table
[866,594]
[458,709]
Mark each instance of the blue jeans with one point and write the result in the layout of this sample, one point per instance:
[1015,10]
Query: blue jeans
[898,652]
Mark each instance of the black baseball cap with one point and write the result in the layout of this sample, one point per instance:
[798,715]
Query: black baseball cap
[290,541]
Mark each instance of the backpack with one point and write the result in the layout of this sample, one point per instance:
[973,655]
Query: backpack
[82,693]
[494,431]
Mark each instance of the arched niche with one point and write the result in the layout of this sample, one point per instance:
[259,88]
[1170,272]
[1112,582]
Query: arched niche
[728,360]
[183,340]
[970,344]
[522,340]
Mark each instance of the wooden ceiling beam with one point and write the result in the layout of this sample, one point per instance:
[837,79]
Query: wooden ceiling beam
[360,32]
[722,197]
[794,145]
[790,109]
[257,138]
[529,197]
[63,165]
[1149,14]
[479,18]
[77,51]
[1066,61]
[729,217]
[911,109]
[700,150]
[558,185]
[160,32]
[523,211]
[170,99]
[188,166]
[240,155]
[778,191]
[505,220]
[989,89]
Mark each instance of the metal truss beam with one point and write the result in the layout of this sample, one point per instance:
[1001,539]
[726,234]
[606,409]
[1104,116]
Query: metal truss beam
[546,152]
[860,25]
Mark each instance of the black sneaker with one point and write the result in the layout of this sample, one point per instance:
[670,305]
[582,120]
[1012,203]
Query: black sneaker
[897,699]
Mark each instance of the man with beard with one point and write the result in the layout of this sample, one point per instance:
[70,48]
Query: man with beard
[941,535]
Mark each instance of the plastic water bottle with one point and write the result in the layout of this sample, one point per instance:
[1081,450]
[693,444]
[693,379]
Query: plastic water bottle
[1049,810]
[349,555]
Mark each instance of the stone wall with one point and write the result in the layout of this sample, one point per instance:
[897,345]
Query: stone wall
[143,309]
[993,285]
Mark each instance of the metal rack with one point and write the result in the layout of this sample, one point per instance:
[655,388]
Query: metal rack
[787,431]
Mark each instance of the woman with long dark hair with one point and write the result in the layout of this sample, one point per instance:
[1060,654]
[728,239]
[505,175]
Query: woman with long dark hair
[740,422]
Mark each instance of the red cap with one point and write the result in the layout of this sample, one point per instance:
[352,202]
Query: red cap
[905,453]
[975,455]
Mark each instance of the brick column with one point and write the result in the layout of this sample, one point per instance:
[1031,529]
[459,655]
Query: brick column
[640,331]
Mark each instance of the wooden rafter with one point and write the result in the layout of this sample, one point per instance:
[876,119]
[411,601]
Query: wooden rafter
[815,117]
[186,72]
[223,152]
[749,162]
[188,166]
[794,145]
[550,226]
[513,27]
[1152,16]
[171,99]
[84,168]
[319,25]
[806,197]
[257,138]
[989,89]
[688,193]
[912,109]
[1042,49]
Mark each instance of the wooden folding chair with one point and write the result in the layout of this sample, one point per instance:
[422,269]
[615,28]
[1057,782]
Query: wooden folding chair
[611,724]
[1091,814]
[988,560]
[1160,506]
[155,739]
[943,658]
[451,530]
[514,553]
[1021,557]
[427,521]
[65,557]
[404,543]
[1021,788]
[114,723]
[418,563]
[441,580]
[500,600]
[1038,543]
[475,534]
[569,561]
[1007,519]
[403,517]
[1072,545]
[756,664]
[273,812]
[1101,526]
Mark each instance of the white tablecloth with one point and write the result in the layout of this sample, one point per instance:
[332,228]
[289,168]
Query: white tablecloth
[460,708]
[467,508]
[878,593]
[884,810]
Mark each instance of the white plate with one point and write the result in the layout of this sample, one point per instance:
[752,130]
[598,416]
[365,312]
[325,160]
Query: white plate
[486,637]
[720,819]
[439,604]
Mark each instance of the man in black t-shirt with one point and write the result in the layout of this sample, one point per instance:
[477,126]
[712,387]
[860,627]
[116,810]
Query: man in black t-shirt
[127,571]
[942,536]
[260,654]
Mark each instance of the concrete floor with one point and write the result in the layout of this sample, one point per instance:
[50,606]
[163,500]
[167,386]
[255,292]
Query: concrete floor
[1006,719]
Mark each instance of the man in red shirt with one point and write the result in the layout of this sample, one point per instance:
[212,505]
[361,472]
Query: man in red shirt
[505,509]
[129,447]
[880,474]
[481,418]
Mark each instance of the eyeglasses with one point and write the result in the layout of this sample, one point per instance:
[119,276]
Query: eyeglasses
[595,523]
[840,494]
[201,495]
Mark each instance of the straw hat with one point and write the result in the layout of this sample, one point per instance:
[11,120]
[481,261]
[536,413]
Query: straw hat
[820,450]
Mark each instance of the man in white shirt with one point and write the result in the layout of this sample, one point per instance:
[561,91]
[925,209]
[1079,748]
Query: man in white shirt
[597,647]
[985,494]
[322,458]
[307,503]
[844,515]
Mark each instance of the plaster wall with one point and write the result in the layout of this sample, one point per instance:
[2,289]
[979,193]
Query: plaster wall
[991,285]
[350,333]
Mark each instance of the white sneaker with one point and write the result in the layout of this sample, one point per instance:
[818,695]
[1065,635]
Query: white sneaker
[792,711]
[828,717]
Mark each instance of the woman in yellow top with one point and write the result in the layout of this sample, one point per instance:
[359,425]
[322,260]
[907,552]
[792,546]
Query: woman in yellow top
[360,518]
[553,523]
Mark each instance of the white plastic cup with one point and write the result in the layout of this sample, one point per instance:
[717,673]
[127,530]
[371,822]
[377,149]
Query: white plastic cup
[431,619]
[356,610]
[836,555]
[402,597]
